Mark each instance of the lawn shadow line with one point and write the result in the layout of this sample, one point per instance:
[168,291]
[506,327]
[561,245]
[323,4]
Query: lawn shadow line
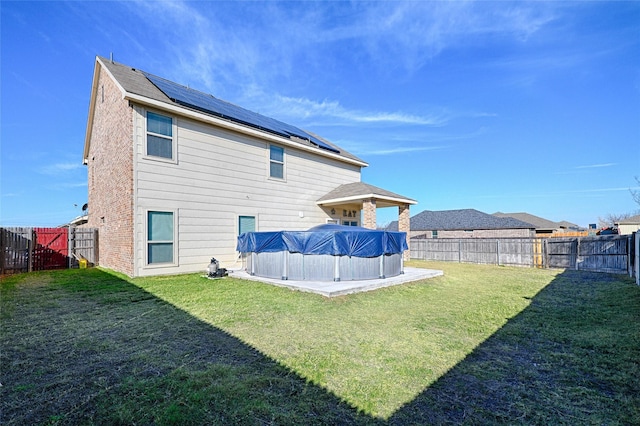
[104,351]
[542,366]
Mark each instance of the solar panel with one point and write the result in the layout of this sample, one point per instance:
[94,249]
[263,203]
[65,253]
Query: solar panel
[206,103]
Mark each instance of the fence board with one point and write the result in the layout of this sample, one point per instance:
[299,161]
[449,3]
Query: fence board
[24,249]
[609,253]
[17,245]
[83,243]
[51,249]
[636,267]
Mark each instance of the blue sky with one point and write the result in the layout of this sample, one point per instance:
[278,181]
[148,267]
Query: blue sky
[496,106]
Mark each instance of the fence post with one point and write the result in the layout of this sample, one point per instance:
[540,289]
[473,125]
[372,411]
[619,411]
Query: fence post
[70,230]
[30,245]
[4,250]
[637,260]
[96,247]
[498,250]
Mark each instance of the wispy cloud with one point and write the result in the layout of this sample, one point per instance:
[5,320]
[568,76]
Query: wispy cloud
[403,150]
[596,166]
[306,108]
[60,168]
[215,47]
[585,168]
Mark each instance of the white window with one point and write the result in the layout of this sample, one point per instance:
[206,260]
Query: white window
[350,223]
[159,136]
[160,237]
[276,162]
[246,224]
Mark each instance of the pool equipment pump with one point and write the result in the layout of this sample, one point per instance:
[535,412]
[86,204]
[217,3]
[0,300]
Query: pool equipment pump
[214,270]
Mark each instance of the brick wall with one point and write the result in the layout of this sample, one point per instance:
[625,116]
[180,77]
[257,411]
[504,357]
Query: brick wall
[369,214]
[110,180]
[404,225]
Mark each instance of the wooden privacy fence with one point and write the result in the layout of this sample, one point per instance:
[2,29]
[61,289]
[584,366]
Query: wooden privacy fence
[610,253]
[501,251]
[36,249]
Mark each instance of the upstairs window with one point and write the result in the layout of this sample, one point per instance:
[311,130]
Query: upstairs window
[276,162]
[159,135]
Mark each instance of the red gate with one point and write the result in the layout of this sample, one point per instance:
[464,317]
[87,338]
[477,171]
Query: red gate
[51,250]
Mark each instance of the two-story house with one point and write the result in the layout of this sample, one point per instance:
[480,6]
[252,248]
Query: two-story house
[175,175]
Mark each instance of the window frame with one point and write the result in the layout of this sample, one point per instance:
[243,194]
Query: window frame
[272,161]
[174,241]
[255,222]
[173,138]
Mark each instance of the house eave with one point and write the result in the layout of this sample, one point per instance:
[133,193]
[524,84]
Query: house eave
[380,199]
[178,110]
[92,104]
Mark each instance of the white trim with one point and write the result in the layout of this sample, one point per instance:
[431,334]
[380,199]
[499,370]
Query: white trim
[178,110]
[238,128]
[359,198]
[92,103]
[284,163]
[174,138]
[175,262]
[255,221]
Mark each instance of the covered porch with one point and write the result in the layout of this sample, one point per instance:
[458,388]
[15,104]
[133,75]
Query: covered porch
[354,202]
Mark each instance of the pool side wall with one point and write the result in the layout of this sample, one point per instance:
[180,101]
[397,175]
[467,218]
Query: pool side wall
[321,267]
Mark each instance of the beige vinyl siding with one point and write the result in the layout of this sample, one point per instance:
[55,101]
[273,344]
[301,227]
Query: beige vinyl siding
[628,229]
[220,175]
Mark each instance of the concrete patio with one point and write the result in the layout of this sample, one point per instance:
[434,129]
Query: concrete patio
[340,288]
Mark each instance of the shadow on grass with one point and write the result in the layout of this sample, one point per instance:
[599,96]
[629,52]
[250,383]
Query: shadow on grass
[92,348]
[89,347]
[571,357]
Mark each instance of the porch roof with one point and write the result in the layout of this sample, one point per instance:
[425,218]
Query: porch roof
[357,191]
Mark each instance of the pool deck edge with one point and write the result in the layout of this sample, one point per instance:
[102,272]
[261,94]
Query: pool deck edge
[341,288]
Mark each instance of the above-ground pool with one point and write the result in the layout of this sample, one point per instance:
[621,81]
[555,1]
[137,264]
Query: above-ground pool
[323,253]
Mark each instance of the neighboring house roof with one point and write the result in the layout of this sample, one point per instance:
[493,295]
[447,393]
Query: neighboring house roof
[633,220]
[80,220]
[569,225]
[539,222]
[356,191]
[136,86]
[464,219]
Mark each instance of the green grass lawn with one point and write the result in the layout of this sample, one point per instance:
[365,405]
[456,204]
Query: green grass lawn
[481,344]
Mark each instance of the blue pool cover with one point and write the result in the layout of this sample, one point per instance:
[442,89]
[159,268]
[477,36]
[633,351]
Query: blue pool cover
[336,240]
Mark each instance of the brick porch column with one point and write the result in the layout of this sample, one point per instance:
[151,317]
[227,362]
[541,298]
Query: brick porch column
[404,225]
[369,214]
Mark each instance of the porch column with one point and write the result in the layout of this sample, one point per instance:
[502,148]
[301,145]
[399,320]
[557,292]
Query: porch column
[404,225]
[369,214]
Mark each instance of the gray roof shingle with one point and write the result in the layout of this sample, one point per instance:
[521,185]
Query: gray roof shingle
[630,220]
[134,81]
[539,222]
[454,220]
[357,189]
